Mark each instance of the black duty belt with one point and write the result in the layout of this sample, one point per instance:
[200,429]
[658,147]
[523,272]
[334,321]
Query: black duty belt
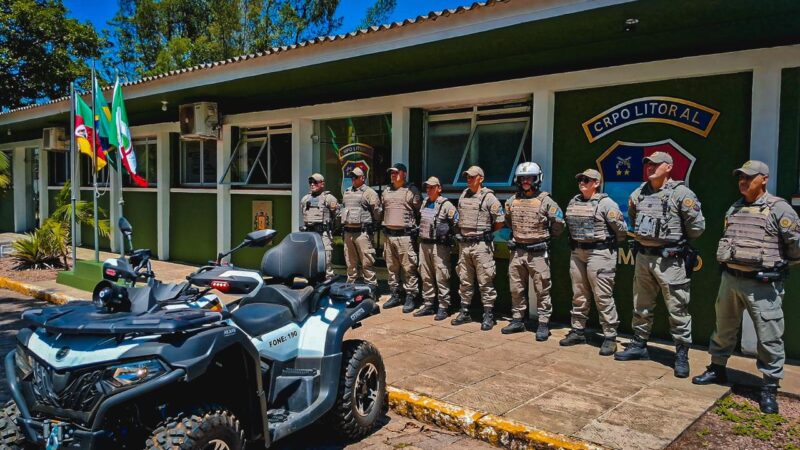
[434,241]
[472,239]
[534,247]
[758,275]
[600,245]
[663,250]
[317,227]
[362,229]
[394,233]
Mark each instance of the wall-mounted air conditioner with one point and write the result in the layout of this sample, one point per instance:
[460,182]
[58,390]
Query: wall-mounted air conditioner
[54,139]
[199,120]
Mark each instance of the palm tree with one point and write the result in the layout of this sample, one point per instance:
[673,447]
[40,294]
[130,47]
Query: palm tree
[5,171]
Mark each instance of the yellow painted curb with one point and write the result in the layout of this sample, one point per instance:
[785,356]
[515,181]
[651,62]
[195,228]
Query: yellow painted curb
[486,427]
[33,291]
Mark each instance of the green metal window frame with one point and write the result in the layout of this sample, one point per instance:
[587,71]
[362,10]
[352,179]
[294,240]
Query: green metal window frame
[262,161]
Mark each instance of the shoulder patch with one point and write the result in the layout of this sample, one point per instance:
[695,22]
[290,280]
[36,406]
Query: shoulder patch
[688,202]
[786,222]
[553,210]
[613,215]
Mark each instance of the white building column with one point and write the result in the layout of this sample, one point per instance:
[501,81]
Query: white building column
[224,191]
[764,129]
[44,194]
[113,208]
[21,175]
[401,118]
[542,134]
[302,160]
[163,182]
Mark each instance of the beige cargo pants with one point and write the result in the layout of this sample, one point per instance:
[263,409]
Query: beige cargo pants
[529,268]
[592,273]
[763,301]
[401,258]
[654,274]
[359,255]
[476,261]
[434,270]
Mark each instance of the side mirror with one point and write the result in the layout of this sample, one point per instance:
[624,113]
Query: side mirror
[125,226]
[259,238]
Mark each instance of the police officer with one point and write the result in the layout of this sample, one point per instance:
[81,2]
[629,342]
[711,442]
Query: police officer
[319,208]
[596,227]
[761,239]
[361,208]
[437,218]
[665,214]
[534,218]
[479,215]
[401,203]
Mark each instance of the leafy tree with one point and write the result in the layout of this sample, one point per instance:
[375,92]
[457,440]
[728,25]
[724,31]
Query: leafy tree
[42,51]
[5,171]
[378,13]
[156,36]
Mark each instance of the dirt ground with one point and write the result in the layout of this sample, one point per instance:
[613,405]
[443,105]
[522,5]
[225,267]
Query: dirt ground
[7,270]
[736,423]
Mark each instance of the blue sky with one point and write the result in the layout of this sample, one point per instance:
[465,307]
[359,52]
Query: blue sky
[100,12]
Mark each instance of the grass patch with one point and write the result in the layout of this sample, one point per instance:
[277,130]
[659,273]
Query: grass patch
[748,420]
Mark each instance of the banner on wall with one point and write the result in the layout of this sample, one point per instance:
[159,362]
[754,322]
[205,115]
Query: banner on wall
[262,214]
[352,156]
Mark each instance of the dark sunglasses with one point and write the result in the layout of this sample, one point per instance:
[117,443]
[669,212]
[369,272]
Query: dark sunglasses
[585,180]
[314,182]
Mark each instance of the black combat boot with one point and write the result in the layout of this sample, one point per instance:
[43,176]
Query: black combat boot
[462,317]
[681,369]
[768,402]
[409,304]
[393,301]
[516,326]
[637,349]
[426,310]
[574,337]
[488,319]
[714,373]
[441,314]
[542,332]
[609,346]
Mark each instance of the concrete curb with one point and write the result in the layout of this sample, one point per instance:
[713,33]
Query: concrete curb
[478,425]
[34,291]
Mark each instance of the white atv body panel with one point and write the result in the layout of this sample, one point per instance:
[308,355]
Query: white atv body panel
[83,350]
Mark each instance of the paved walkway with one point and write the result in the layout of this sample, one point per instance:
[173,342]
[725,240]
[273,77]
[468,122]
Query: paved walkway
[567,390]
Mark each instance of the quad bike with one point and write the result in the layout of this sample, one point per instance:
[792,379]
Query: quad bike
[160,365]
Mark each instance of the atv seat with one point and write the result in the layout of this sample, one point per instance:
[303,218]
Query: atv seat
[256,319]
[295,300]
[299,255]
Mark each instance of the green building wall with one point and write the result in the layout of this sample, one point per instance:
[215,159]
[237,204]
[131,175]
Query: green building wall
[87,231]
[6,210]
[193,227]
[140,210]
[242,223]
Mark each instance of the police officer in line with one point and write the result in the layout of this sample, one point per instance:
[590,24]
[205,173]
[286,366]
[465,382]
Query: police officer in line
[761,239]
[437,219]
[596,228]
[665,214]
[319,208]
[534,218]
[401,203]
[480,213]
[361,208]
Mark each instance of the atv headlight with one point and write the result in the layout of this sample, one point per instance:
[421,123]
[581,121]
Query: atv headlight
[23,362]
[134,372]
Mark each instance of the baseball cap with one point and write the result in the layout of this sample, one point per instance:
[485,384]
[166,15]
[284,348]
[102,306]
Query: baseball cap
[658,158]
[396,167]
[473,171]
[357,172]
[432,181]
[591,173]
[753,167]
[316,177]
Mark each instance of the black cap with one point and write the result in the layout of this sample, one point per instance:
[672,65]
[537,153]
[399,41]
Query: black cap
[396,167]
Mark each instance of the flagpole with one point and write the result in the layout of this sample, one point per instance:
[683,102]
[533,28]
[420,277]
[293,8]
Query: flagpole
[119,172]
[94,170]
[76,185]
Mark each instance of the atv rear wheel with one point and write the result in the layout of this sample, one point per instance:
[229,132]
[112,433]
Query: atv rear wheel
[11,436]
[204,429]
[361,398]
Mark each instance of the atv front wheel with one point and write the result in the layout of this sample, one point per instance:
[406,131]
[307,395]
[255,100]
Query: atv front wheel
[361,398]
[11,436]
[204,429]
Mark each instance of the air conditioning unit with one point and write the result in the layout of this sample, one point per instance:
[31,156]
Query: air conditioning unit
[199,121]
[54,139]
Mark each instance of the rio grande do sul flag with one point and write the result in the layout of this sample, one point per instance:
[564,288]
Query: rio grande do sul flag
[84,132]
[120,135]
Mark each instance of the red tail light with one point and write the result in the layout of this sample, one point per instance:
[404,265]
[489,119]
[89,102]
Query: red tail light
[222,286]
[358,298]
[111,272]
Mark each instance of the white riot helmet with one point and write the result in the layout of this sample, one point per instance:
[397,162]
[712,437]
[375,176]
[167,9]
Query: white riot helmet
[529,169]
